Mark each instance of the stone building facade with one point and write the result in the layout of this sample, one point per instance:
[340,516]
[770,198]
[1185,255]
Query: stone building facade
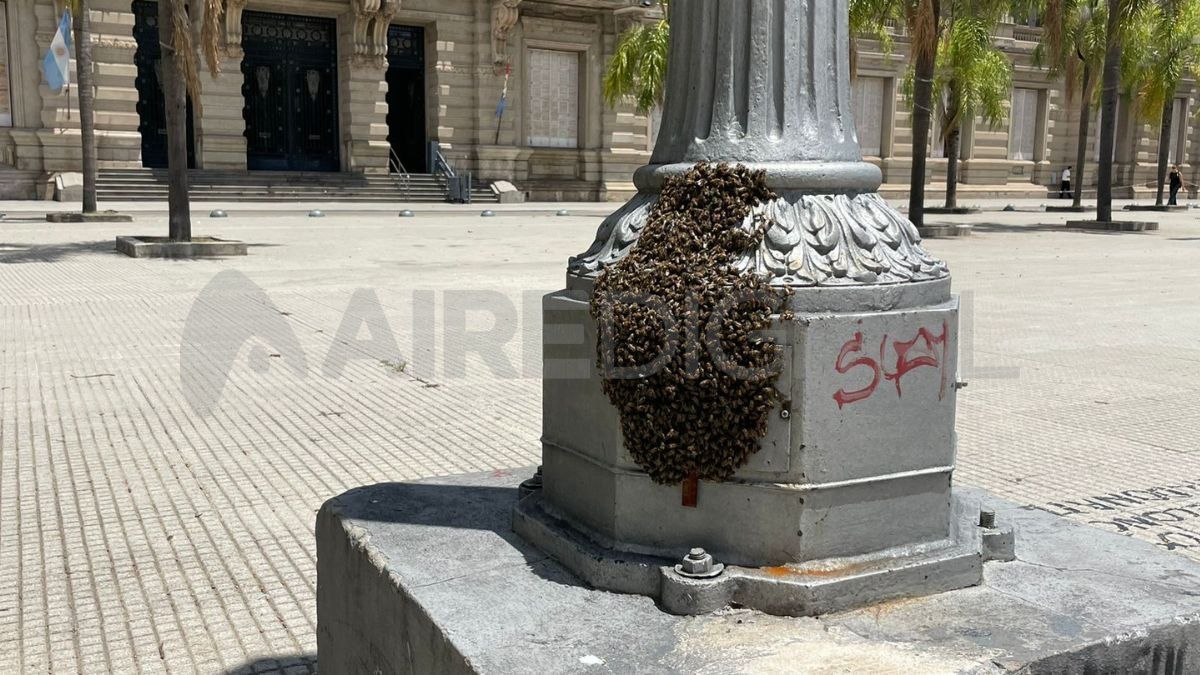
[364,85]
[338,85]
[1034,144]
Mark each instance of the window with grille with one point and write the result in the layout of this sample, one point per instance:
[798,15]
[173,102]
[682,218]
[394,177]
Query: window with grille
[868,114]
[553,107]
[1023,129]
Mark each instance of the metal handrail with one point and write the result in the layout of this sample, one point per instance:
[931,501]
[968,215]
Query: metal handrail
[405,179]
[440,165]
[454,187]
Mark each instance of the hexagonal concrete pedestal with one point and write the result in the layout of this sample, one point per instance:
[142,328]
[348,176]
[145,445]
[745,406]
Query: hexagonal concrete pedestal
[429,578]
[854,474]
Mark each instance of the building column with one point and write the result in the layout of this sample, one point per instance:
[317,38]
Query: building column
[220,124]
[362,85]
[1043,171]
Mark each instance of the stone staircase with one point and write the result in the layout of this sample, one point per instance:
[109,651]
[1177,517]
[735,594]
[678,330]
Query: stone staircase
[117,185]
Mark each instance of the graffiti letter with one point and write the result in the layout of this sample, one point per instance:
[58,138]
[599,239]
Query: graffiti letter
[921,352]
[842,396]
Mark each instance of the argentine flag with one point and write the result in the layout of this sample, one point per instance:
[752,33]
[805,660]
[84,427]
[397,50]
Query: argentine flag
[57,63]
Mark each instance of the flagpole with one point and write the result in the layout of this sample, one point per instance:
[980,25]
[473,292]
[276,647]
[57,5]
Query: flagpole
[503,102]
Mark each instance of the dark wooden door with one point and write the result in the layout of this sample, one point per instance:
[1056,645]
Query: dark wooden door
[406,96]
[152,116]
[290,90]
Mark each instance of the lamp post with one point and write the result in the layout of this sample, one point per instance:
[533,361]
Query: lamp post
[848,500]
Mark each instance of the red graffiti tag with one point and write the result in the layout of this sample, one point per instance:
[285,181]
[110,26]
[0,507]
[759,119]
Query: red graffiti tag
[854,346]
[920,352]
[926,350]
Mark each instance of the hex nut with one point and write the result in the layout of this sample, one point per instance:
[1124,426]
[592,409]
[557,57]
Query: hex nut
[698,564]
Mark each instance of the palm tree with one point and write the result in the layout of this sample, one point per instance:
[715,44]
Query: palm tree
[1073,33]
[1121,15]
[1161,50]
[81,27]
[923,19]
[637,70]
[181,78]
[974,77]
[869,19]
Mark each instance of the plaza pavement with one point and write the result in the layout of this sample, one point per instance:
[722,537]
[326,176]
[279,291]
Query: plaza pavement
[143,531]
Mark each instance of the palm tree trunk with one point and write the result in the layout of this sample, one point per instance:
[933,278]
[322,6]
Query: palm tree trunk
[1164,147]
[922,107]
[1108,112]
[953,141]
[175,99]
[1081,145]
[87,104]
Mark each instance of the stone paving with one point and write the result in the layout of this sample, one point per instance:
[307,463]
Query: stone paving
[169,429]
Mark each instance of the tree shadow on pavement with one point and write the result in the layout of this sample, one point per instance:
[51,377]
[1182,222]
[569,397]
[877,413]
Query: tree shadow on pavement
[284,664]
[46,253]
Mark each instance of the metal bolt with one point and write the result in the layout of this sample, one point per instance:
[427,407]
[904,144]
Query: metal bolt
[407,214]
[987,519]
[218,213]
[531,485]
[563,212]
[698,564]
[316,213]
[487,214]
[785,413]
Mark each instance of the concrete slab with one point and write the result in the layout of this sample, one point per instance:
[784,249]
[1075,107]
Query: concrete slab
[429,577]
[1113,225]
[953,210]
[944,230]
[162,247]
[1165,208]
[100,217]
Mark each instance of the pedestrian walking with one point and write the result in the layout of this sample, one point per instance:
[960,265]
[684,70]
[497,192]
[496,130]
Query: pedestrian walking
[1176,184]
[1064,187]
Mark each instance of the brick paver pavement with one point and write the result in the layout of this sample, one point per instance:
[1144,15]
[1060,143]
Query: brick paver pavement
[141,531]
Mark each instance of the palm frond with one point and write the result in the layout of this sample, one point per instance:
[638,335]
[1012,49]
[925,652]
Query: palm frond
[1160,50]
[179,40]
[637,71]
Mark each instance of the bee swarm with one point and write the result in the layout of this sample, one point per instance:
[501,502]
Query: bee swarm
[676,298]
